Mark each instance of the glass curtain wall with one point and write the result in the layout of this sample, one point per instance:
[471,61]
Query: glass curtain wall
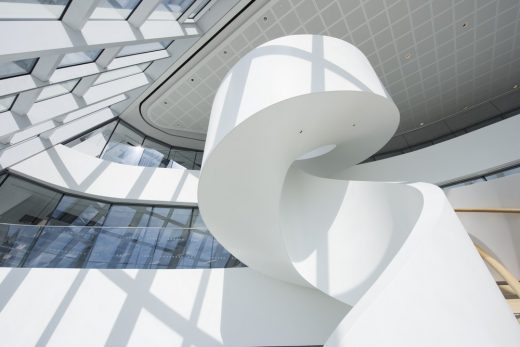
[40,227]
[119,142]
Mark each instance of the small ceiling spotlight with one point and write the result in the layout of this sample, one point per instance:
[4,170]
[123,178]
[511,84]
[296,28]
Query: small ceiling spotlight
[407,56]
[515,86]
[165,102]
[421,124]
[465,24]
[192,79]
[265,19]
[225,52]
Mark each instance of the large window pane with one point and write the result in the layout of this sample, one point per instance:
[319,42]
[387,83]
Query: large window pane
[6,102]
[124,146]
[32,9]
[17,68]
[116,246]
[64,242]
[114,9]
[77,58]
[144,48]
[173,236]
[180,158]
[22,202]
[62,247]
[93,142]
[15,242]
[155,154]
[78,211]
[170,9]
[57,90]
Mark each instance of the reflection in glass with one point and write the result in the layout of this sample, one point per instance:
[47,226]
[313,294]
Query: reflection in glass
[124,146]
[32,9]
[17,68]
[180,158]
[15,241]
[6,102]
[57,89]
[93,142]
[74,232]
[114,9]
[76,58]
[22,202]
[170,9]
[143,48]
[78,211]
[155,154]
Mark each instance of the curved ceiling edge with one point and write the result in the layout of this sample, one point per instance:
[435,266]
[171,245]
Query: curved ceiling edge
[142,108]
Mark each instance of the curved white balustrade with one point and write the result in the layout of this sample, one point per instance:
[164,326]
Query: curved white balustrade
[74,172]
[395,252]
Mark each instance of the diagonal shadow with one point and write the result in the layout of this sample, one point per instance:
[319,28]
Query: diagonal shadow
[138,298]
[10,284]
[62,308]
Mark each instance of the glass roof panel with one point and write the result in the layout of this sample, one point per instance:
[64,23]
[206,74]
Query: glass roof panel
[32,9]
[114,9]
[6,102]
[77,58]
[143,48]
[57,89]
[17,68]
[170,9]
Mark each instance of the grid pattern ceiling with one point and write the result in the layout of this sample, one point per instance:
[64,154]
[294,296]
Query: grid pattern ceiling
[436,58]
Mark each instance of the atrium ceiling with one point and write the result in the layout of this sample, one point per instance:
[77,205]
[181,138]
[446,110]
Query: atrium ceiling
[446,64]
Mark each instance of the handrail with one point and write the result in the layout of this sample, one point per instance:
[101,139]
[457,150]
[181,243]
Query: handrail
[97,227]
[489,210]
[511,280]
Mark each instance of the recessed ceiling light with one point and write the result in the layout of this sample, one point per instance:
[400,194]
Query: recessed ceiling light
[407,56]
[515,86]
[265,19]
[225,52]
[465,24]
[165,102]
[192,79]
[421,124]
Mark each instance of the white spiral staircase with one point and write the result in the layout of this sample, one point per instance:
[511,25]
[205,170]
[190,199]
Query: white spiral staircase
[287,121]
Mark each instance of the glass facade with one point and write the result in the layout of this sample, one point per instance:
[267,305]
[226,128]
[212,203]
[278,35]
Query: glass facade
[120,143]
[43,228]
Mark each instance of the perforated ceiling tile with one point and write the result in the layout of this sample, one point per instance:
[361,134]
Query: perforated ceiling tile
[434,57]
